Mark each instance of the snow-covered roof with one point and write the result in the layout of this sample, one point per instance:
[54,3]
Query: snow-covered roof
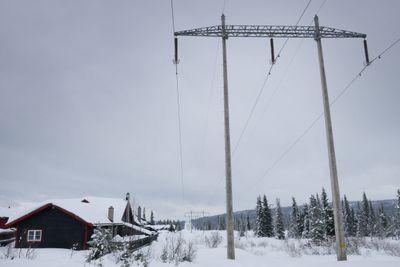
[138,228]
[13,211]
[93,210]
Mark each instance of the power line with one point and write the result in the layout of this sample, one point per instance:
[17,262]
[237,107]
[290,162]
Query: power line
[278,87]
[344,90]
[178,109]
[260,93]
[209,103]
[264,83]
[223,7]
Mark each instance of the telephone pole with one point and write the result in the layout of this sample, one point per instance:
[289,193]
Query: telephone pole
[269,31]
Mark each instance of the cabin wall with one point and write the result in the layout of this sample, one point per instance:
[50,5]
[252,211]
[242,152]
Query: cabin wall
[59,230]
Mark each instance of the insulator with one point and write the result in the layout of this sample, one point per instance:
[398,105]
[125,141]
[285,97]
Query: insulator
[272,51]
[366,52]
[176,60]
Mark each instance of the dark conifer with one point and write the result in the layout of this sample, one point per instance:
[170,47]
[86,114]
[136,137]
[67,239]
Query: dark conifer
[279,227]
[317,232]
[266,219]
[327,215]
[294,230]
[259,211]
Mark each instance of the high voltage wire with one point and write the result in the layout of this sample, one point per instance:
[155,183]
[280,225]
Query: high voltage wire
[223,7]
[209,102]
[261,91]
[278,87]
[344,90]
[264,83]
[179,109]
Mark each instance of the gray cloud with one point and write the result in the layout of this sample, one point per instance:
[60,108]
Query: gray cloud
[88,103]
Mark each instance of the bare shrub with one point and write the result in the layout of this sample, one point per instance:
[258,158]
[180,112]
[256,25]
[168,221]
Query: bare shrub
[177,250]
[291,249]
[9,252]
[189,252]
[213,240]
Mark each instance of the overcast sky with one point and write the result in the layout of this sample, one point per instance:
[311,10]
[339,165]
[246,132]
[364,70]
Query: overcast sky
[88,103]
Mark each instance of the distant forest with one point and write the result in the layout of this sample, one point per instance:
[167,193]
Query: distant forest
[314,219]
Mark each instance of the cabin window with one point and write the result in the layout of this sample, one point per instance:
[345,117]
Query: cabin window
[34,235]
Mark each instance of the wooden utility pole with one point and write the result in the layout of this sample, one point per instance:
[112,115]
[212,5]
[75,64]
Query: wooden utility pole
[228,169]
[337,207]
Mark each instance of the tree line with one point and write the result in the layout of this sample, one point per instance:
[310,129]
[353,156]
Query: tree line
[314,220]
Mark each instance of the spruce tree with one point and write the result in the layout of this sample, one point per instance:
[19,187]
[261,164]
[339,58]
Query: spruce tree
[350,226]
[259,211]
[222,225]
[279,227]
[294,230]
[327,215]
[364,218]
[266,219]
[305,215]
[248,223]
[317,232]
[346,216]
[354,222]
[152,218]
[396,218]
[371,221]
[382,223]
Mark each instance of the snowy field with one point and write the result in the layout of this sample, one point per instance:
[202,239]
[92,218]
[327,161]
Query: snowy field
[209,249]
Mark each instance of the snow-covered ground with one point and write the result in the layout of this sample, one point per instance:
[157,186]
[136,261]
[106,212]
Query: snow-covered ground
[250,251]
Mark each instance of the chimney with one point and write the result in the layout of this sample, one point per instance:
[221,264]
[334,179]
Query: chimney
[127,196]
[111,213]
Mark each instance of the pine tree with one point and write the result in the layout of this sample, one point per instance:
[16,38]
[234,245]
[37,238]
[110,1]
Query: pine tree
[266,219]
[242,226]
[348,217]
[259,212]
[364,218]
[371,221]
[327,215]
[152,218]
[221,224]
[396,218]
[279,227]
[382,223]
[305,215]
[248,223]
[294,230]
[317,232]
[354,222]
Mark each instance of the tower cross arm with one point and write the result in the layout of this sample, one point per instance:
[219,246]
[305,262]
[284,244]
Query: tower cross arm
[277,31]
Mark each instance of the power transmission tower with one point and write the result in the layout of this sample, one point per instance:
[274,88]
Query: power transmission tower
[193,215]
[265,31]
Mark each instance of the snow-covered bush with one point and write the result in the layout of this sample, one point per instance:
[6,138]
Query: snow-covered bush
[292,249]
[100,244]
[11,253]
[127,257]
[176,250]
[213,240]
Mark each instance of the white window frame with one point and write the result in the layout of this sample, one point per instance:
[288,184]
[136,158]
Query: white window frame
[37,236]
